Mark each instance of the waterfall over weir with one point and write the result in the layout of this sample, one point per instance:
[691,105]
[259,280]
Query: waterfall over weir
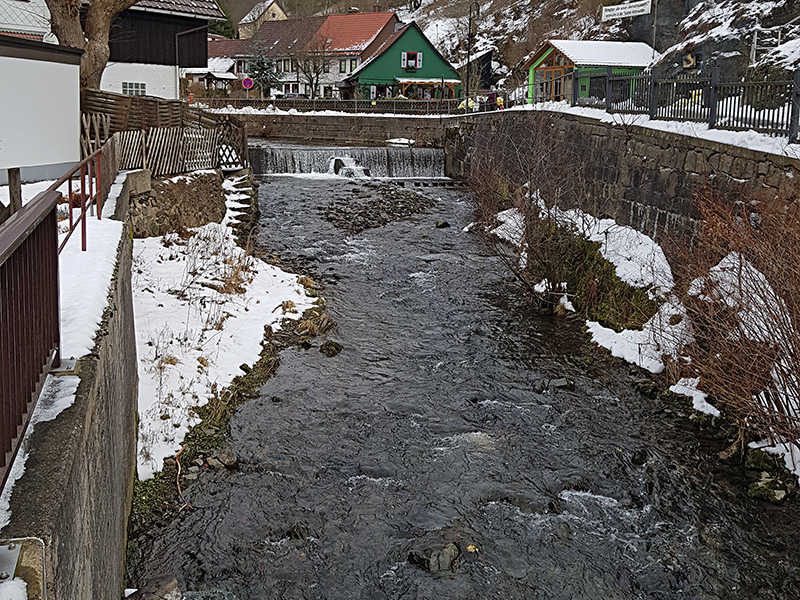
[400,162]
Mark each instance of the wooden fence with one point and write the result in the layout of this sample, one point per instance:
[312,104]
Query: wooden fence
[170,150]
[165,136]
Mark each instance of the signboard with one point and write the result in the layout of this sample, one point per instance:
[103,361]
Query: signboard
[247,83]
[621,11]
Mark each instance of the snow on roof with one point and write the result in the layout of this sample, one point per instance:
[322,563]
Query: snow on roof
[216,65]
[195,8]
[353,32]
[256,12]
[593,53]
[473,57]
[430,80]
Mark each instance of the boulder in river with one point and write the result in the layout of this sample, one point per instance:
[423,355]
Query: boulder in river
[330,348]
[435,560]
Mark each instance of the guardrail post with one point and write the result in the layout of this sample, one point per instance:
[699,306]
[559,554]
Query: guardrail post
[794,120]
[14,191]
[575,85]
[712,98]
[609,73]
[653,92]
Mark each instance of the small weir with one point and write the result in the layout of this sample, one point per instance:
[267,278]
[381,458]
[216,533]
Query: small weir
[399,162]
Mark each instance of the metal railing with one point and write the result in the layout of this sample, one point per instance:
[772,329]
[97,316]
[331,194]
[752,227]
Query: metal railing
[394,106]
[770,107]
[29,304]
[29,316]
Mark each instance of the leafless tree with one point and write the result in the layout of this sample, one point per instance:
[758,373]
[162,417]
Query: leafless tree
[312,64]
[89,34]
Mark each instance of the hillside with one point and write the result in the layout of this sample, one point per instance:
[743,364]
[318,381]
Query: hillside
[691,34]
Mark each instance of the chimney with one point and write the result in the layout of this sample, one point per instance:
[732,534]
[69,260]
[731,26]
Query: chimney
[376,7]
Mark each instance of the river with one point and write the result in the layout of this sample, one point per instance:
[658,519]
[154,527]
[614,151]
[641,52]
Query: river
[436,425]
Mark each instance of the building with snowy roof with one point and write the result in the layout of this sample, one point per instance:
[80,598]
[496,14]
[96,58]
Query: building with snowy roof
[406,64]
[554,66]
[270,10]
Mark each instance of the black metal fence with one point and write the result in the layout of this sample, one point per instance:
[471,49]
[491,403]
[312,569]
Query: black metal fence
[770,107]
[392,106]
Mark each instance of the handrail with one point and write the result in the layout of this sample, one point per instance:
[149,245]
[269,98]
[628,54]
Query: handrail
[15,230]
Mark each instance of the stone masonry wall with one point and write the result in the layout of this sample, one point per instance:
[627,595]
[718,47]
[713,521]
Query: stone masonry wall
[641,177]
[347,129]
[185,201]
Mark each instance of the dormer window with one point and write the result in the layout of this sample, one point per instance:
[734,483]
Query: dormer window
[411,61]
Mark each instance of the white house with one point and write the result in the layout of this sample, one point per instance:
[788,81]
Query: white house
[39,131]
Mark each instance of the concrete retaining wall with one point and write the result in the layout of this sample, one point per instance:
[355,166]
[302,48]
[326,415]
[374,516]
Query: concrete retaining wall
[640,176]
[346,129]
[76,490]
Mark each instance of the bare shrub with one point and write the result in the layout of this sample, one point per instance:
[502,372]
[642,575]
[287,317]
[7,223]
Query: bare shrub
[526,163]
[741,283]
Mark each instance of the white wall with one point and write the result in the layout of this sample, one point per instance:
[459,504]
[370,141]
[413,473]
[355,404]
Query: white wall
[39,113]
[160,79]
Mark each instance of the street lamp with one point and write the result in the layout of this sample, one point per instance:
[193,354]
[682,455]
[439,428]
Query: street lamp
[476,8]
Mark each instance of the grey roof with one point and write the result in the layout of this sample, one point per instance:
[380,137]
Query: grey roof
[192,8]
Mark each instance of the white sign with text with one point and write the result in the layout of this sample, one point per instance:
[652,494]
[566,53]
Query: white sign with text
[632,9]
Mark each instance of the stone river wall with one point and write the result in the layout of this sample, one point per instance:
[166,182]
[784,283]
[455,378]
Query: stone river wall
[641,177]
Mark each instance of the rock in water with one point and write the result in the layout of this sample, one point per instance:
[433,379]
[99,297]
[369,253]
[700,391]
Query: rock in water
[330,348]
[435,560]
[161,589]
[227,457]
[441,224]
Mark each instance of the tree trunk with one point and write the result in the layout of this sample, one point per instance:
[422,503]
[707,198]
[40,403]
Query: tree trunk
[93,40]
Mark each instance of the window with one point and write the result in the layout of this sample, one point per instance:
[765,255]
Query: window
[326,67]
[287,65]
[342,66]
[353,64]
[411,60]
[134,88]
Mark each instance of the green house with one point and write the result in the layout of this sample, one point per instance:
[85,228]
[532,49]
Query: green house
[407,65]
[550,69]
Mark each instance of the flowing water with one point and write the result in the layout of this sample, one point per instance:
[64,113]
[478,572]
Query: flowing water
[431,427]
[387,161]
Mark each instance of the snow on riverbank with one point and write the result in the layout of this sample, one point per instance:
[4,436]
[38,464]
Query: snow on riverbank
[201,305]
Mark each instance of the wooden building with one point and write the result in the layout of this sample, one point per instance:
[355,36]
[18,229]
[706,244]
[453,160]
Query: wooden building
[550,68]
[407,65]
[152,40]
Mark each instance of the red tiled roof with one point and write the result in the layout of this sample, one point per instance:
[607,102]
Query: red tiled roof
[194,8]
[352,32]
[24,36]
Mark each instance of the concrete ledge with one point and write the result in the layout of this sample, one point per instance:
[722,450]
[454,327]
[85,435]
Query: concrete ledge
[76,490]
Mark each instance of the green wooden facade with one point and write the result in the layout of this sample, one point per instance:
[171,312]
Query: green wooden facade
[389,71]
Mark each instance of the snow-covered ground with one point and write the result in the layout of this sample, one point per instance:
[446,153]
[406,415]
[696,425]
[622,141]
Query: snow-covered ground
[201,305]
